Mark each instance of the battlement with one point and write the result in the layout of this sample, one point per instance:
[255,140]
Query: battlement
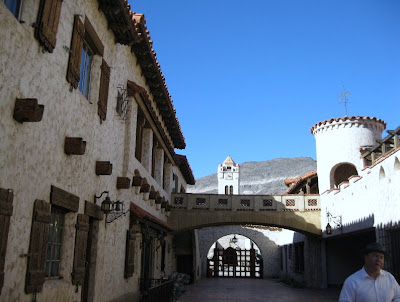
[349,121]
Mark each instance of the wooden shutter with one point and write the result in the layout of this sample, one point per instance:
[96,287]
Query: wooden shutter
[82,230]
[74,62]
[6,209]
[103,93]
[47,23]
[130,254]
[37,249]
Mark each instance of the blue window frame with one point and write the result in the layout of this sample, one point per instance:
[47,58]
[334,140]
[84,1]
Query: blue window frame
[86,65]
[14,6]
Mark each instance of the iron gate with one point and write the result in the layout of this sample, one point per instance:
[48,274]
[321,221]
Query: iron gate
[235,263]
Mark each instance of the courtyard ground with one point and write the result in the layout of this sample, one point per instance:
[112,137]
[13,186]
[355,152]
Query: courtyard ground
[253,290]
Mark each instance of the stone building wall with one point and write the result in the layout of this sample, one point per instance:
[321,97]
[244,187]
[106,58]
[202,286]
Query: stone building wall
[32,157]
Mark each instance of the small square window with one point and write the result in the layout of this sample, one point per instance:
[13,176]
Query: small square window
[85,69]
[53,253]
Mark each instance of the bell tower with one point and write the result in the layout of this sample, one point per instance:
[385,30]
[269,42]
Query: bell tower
[228,177]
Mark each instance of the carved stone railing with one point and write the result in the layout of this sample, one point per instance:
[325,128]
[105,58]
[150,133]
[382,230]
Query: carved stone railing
[274,203]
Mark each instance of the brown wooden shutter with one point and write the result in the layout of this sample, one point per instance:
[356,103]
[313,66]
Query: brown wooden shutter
[74,62]
[6,209]
[130,254]
[103,93]
[37,249]
[82,230]
[47,23]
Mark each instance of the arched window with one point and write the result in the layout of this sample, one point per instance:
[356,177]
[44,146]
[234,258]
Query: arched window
[341,173]
[226,190]
[231,190]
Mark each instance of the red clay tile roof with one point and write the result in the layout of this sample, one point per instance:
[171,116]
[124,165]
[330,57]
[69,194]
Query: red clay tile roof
[130,29]
[295,182]
[143,214]
[185,169]
[348,118]
[133,88]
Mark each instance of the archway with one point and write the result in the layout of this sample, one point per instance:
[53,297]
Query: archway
[267,239]
[341,173]
[234,256]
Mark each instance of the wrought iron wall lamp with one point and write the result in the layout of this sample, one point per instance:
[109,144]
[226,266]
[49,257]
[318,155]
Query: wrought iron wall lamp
[234,240]
[336,221]
[112,209]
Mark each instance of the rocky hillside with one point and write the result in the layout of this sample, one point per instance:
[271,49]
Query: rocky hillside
[261,177]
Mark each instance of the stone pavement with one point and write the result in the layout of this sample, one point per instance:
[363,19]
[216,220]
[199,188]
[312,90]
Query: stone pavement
[252,290]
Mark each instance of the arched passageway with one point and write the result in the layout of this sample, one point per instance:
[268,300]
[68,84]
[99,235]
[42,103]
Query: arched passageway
[234,256]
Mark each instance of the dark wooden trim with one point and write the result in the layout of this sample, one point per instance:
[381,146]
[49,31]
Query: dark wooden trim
[93,210]
[145,188]
[103,168]
[47,23]
[74,146]
[6,209]
[79,266]
[35,273]
[136,181]
[123,183]
[93,39]
[28,110]
[64,200]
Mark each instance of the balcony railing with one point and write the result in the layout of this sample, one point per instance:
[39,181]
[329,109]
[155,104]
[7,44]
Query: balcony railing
[382,148]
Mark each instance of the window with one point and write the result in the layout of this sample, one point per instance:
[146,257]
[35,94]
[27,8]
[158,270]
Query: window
[231,190]
[14,6]
[53,254]
[86,65]
[141,120]
[299,257]
[85,44]
[226,190]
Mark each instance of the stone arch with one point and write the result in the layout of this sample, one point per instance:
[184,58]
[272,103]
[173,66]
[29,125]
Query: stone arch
[269,250]
[382,173]
[396,164]
[341,172]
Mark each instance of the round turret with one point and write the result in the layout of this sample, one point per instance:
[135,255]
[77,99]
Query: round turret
[338,141]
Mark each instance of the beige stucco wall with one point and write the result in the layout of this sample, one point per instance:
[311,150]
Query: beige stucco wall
[32,155]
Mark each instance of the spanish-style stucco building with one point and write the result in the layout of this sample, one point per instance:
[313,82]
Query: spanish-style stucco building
[358,169]
[86,122]
[84,109]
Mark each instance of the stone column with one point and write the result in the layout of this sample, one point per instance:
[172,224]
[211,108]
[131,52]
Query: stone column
[158,169]
[147,146]
[168,177]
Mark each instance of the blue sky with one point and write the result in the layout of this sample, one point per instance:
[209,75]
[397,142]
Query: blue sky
[250,78]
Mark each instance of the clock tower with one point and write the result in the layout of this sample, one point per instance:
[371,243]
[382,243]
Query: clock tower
[228,177]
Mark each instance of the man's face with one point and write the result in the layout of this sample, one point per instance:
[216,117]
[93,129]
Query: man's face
[374,261]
